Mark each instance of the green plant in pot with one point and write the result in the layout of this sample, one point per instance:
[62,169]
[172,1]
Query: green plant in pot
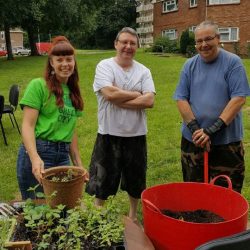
[7,226]
[67,182]
[85,227]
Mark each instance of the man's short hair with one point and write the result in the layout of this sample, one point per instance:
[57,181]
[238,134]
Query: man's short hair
[206,24]
[129,30]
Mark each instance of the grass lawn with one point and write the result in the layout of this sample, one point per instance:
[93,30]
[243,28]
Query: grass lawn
[163,120]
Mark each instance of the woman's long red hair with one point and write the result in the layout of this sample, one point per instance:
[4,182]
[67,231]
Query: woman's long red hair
[62,47]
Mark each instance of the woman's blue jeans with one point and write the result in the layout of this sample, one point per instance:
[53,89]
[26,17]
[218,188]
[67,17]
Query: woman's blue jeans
[52,153]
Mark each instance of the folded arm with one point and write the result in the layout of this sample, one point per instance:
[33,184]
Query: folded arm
[144,101]
[117,95]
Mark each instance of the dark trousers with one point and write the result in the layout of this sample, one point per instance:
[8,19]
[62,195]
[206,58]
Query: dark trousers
[222,159]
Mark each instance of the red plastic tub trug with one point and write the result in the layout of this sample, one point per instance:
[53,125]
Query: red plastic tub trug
[167,233]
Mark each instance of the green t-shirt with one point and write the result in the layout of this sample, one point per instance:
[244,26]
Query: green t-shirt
[53,123]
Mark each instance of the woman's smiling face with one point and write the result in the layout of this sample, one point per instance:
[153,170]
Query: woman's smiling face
[63,66]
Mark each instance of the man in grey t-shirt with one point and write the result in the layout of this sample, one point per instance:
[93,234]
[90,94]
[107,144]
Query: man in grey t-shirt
[124,89]
[211,92]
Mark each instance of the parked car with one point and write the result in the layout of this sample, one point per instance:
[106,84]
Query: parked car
[21,51]
[3,52]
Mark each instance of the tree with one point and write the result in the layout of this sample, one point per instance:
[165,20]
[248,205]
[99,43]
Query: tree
[7,20]
[8,40]
[46,17]
[30,16]
[187,42]
[84,24]
[21,13]
[184,40]
[112,16]
[58,16]
[77,19]
[87,23]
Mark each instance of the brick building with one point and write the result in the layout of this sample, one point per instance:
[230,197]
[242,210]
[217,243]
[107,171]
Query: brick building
[172,17]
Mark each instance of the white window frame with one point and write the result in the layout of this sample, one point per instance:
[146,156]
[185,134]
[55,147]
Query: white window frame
[230,33]
[168,33]
[169,6]
[193,3]
[192,28]
[213,2]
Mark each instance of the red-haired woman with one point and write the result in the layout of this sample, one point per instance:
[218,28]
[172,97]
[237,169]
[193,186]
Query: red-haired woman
[51,106]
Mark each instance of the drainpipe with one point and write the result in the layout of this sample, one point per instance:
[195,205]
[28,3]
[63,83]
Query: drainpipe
[206,10]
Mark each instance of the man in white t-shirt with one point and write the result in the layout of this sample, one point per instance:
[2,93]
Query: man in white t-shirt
[124,89]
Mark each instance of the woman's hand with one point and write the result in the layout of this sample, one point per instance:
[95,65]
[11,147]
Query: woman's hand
[87,175]
[38,169]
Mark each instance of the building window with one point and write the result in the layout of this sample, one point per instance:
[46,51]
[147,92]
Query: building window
[171,34]
[169,6]
[192,28]
[210,2]
[229,34]
[2,35]
[193,3]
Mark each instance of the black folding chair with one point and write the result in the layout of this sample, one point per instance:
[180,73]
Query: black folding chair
[1,112]
[240,241]
[12,106]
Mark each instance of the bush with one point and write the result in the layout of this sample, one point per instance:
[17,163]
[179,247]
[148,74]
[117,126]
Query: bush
[236,48]
[184,41]
[187,43]
[149,49]
[191,51]
[248,50]
[165,45]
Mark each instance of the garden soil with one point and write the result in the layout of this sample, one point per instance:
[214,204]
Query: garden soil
[197,216]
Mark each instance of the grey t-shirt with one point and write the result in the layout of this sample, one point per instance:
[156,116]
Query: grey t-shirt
[208,87]
[117,121]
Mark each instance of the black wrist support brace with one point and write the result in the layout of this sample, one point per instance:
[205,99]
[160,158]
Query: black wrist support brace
[193,126]
[217,126]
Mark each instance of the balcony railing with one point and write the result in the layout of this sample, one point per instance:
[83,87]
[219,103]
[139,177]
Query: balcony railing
[145,19]
[144,41]
[144,30]
[144,7]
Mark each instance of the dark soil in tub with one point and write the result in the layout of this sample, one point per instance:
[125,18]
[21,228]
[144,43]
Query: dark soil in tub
[196,216]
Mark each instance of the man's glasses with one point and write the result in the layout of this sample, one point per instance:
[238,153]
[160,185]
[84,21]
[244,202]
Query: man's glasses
[126,43]
[206,40]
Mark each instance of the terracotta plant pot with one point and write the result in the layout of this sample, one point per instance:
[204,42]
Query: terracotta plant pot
[67,193]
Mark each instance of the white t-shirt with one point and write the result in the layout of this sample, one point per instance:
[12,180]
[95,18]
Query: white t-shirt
[117,121]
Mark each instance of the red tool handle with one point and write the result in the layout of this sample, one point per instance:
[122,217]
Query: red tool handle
[205,166]
[151,206]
